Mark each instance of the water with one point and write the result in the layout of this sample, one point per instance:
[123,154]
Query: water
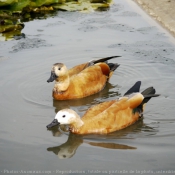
[26,104]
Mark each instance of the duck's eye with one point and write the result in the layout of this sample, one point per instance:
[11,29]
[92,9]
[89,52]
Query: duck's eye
[63,116]
[59,68]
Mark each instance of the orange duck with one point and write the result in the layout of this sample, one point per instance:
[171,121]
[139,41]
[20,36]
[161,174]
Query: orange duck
[108,116]
[82,80]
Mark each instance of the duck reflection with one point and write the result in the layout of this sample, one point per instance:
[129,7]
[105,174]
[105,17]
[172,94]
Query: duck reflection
[68,149]
[88,101]
[56,131]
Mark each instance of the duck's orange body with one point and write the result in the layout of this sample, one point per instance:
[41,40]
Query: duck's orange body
[82,80]
[108,117]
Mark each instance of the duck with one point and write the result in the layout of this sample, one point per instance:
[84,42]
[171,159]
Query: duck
[82,80]
[109,116]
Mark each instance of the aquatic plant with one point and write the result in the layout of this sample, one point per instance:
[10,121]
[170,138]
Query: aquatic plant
[68,5]
[12,12]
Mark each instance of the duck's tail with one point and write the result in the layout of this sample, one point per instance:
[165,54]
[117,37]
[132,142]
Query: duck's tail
[112,67]
[107,70]
[135,88]
[103,59]
[147,94]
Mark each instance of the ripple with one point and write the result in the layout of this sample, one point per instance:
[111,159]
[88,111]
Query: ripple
[88,28]
[71,16]
[152,43]
[35,90]
[146,30]
[98,20]
[156,55]
[128,14]
[148,44]
[28,43]
[119,27]
[153,50]
[2,58]
[116,8]
[55,24]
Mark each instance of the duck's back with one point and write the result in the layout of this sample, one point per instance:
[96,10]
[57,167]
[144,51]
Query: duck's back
[77,69]
[96,110]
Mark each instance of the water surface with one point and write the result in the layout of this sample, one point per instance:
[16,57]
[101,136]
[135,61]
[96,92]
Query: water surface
[26,105]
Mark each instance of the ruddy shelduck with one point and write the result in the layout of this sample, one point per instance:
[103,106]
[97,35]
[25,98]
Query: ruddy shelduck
[108,116]
[82,80]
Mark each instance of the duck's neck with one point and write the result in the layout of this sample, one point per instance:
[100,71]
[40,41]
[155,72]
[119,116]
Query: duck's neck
[62,83]
[76,124]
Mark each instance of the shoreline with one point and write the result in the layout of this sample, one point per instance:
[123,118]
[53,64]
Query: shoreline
[162,11]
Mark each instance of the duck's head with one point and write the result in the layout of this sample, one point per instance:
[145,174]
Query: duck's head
[65,117]
[58,70]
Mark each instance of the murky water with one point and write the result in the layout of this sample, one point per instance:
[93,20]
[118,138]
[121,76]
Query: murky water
[26,105]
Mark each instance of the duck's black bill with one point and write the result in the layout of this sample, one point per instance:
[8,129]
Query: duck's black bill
[52,124]
[52,77]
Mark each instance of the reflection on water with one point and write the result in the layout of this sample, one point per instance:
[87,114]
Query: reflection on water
[10,28]
[109,141]
[68,149]
[29,16]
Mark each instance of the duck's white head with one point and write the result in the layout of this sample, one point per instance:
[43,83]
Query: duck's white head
[59,70]
[66,116]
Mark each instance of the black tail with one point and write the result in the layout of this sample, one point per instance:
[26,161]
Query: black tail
[147,93]
[104,59]
[113,66]
[134,88]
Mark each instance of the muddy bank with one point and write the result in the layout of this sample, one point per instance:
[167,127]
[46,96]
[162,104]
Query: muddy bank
[161,10]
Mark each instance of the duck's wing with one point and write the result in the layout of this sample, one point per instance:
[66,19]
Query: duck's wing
[77,69]
[97,109]
[118,115]
[112,107]
[87,82]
